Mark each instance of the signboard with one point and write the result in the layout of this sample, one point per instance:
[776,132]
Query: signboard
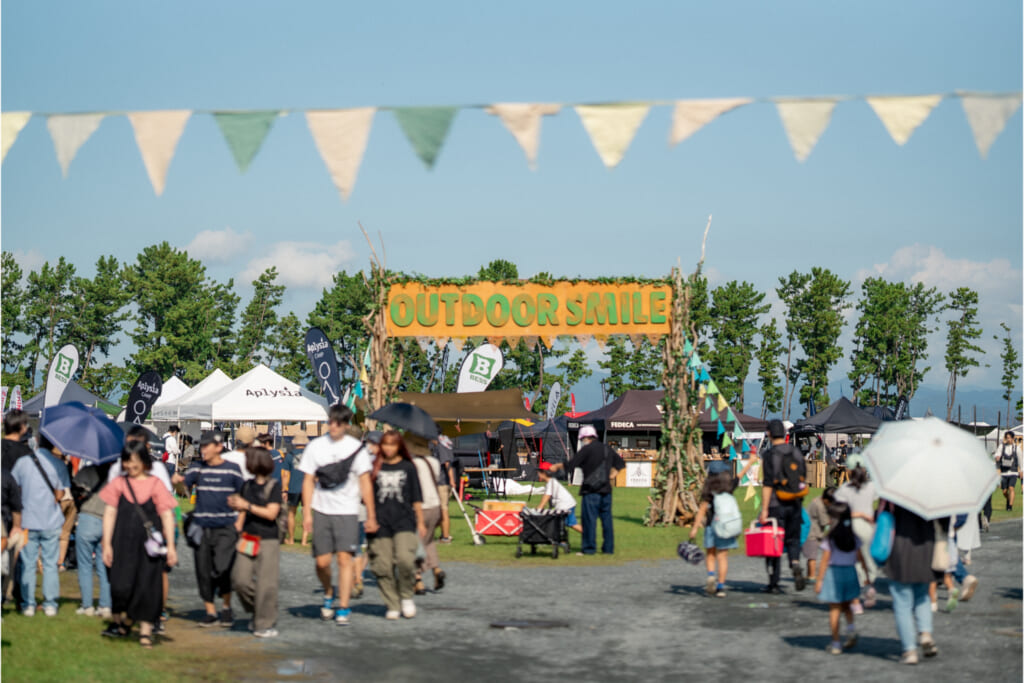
[639,474]
[495,310]
[324,363]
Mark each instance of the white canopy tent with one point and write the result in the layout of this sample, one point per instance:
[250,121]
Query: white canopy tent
[259,395]
[173,389]
[169,411]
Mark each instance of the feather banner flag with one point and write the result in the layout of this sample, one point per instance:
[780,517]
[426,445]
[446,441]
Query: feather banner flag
[426,128]
[612,127]
[245,132]
[69,132]
[689,116]
[804,122]
[523,121]
[902,115]
[987,116]
[341,136]
[11,123]
[157,134]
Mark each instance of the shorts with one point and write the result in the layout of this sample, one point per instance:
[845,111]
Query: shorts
[571,520]
[811,548]
[294,499]
[445,493]
[1008,481]
[335,534]
[712,541]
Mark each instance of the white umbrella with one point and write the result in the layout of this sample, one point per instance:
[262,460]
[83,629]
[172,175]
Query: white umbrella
[931,468]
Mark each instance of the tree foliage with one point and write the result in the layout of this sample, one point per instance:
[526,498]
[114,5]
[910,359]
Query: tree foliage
[769,368]
[736,308]
[1010,381]
[961,331]
[340,313]
[259,320]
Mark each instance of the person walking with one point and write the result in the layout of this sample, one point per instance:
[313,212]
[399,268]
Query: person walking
[599,464]
[245,436]
[294,485]
[837,584]
[89,539]
[137,506]
[336,475]
[12,447]
[859,494]
[817,512]
[784,472]
[214,480]
[442,450]
[172,446]
[43,479]
[910,571]
[1008,461]
[257,565]
[428,471]
[10,500]
[399,513]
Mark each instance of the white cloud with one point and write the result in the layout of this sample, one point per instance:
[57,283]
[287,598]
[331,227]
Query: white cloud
[302,264]
[28,260]
[218,246]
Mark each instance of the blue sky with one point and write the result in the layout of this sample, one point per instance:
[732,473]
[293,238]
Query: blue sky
[931,210]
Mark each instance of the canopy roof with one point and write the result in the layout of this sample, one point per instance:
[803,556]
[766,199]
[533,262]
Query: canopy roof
[841,417]
[747,423]
[72,392]
[173,389]
[260,394]
[479,406]
[170,410]
[637,410]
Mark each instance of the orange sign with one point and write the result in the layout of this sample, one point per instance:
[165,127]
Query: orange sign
[493,309]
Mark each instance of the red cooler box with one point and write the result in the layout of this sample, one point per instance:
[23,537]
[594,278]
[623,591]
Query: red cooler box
[498,523]
[764,541]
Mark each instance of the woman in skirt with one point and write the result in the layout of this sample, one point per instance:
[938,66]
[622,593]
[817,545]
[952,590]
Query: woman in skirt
[135,504]
[837,583]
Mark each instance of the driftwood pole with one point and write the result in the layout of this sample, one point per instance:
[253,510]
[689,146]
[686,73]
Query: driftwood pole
[384,373]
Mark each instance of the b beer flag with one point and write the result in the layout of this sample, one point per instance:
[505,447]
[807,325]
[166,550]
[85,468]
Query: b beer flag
[62,368]
[324,363]
[479,368]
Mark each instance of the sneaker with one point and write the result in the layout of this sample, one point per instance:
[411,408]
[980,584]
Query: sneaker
[115,631]
[773,590]
[29,611]
[408,609]
[970,584]
[445,540]
[928,648]
[227,618]
[208,620]
[909,657]
[798,578]
[720,590]
[709,585]
[86,611]
[851,640]
[834,648]
[50,611]
[857,608]
[266,633]
[327,609]
[357,591]
[870,597]
[954,596]
[104,612]
[392,615]
[341,616]
[439,578]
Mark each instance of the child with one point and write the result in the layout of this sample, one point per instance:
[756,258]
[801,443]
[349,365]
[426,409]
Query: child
[817,511]
[837,582]
[558,496]
[720,479]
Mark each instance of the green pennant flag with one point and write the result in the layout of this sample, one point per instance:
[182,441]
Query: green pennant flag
[245,132]
[726,441]
[714,414]
[687,347]
[712,387]
[426,129]
[707,402]
[731,416]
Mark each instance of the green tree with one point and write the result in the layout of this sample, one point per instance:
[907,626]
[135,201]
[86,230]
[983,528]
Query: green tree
[259,319]
[735,309]
[961,331]
[12,321]
[286,351]
[644,364]
[499,270]
[1011,369]
[769,368]
[574,370]
[100,312]
[616,363]
[48,312]
[789,291]
[339,313]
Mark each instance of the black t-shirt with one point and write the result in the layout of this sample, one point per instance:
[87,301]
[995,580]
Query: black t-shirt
[10,451]
[11,496]
[771,458]
[589,459]
[253,492]
[397,487]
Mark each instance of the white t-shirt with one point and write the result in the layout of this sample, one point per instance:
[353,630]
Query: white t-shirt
[428,469]
[561,499]
[238,457]
[159,471]
[172,448]
[324,450]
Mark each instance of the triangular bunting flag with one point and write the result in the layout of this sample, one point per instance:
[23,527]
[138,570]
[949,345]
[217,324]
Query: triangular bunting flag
[731,416]
[426,129]
[11,123]
[749,494]
[707,402]
[726,441]
[689,116]
[736,433]
[245,132]
[530,341]
[693,363]
[745,447]
[602,340]
[69,132]
[987,115]
[732,453]
[513,342]
[902,115]
[341,138]
[705,376]
[549,341]
[157,134]
[687,347]
[712,387]
[583,340]
[721,429]
[523,121]
[612,127]
[424,344]
[457,344]
[637,340]
[804,122]
[714,414]
[722,403]
[702,392]
[757,501]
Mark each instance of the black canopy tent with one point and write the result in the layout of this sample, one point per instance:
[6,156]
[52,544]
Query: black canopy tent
[550,438]
[72,392]
[842,417]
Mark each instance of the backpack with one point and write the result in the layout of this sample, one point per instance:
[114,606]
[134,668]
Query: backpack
[728,520]
[790,474]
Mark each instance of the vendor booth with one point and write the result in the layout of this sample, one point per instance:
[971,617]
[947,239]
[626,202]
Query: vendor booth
[74,391]
[259,395]
[169,412]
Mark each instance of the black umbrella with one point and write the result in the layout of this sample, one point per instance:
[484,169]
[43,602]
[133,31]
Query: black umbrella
[408,417]
[151,436]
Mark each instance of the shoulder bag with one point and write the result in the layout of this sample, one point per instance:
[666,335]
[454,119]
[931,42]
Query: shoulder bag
[155,544]
[53,489]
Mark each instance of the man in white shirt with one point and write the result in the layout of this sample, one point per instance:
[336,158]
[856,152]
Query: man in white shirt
[245,436]
[558,496]
[171,445]
[336,471]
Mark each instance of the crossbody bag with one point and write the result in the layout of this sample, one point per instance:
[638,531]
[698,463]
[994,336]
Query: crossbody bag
[155,544]
[53,489]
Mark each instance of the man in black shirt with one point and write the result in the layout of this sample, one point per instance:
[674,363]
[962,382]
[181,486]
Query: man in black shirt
[787,513]
[600,464]
[15,426]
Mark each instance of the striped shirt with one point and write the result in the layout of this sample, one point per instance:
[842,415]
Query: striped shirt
[214,483]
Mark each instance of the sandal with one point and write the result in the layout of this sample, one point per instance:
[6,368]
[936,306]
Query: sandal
[146,642]
[116,631]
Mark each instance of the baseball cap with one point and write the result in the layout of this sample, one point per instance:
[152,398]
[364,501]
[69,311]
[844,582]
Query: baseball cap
[210,436]
[588,431]
[776,429]
[374,436]
[544,466]
[245,435]
[300,439]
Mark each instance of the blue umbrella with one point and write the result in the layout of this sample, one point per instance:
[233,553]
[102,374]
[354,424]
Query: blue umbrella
[83,432]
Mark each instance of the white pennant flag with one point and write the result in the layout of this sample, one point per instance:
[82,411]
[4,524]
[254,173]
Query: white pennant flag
[804,121]
[341,138]
[612,128]
[69,132]
[689,116]
[987,115]
[523,121]
[902,115]
[11,123]
[157,134]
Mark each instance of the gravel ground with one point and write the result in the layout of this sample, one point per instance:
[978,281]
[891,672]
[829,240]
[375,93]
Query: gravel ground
[638,621]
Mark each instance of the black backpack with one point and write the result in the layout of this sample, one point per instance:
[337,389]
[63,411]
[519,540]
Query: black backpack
[789,480]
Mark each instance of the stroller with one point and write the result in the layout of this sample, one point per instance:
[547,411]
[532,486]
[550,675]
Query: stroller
[543,527]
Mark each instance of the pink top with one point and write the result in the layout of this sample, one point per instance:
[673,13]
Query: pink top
[145,489]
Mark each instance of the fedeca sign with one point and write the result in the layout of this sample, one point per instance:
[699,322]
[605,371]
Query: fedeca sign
[491,309]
